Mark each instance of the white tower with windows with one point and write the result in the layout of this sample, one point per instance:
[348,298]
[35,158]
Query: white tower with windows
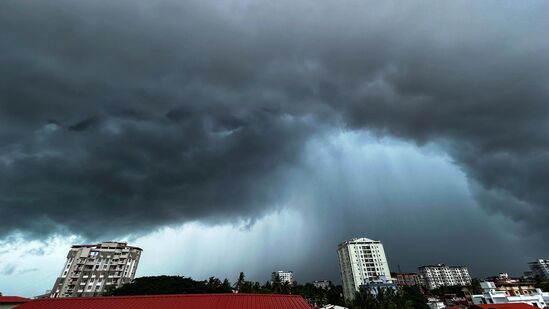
[361,261]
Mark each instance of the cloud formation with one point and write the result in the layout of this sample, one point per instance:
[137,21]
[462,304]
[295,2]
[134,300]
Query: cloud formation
[132,115]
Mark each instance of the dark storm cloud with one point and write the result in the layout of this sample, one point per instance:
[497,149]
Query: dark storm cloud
[84,124]
[122,117]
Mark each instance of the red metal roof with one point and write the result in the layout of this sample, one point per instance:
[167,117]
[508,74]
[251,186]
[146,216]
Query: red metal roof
[187,301]
[503,306]
[13,299]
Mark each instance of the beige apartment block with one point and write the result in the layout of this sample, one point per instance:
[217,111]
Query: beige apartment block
[91,270]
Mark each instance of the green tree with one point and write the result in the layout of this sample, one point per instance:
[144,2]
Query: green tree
[169,285]
[414,297]
[389,299]
[475,286]
[334,295]
[240,282]
[276,285]
[226,286]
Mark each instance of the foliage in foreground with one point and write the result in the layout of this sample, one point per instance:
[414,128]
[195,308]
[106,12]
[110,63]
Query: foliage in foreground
[172,285]
[405,298]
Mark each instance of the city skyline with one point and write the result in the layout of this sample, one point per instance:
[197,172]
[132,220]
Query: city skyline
[107,250]
[240,135]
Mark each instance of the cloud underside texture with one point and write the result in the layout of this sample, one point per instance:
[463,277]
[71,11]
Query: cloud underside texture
[117,113]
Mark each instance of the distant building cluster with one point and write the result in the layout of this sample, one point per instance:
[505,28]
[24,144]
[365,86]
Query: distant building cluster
[363,266]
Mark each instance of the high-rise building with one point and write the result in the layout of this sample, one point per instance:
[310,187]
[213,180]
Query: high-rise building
[283,276]
[91,270]
[435,276]
[361,261]
[540,268]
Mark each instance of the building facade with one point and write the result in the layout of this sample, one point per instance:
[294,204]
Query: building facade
[540,268]
[407,279]
[283,276]
[492,294]
[91,270]
[435,276]
[361,261]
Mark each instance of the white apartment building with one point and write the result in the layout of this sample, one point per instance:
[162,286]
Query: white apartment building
[361,261]
[91,270]
[283,276]
[435,276]
[540,268]
[492,295]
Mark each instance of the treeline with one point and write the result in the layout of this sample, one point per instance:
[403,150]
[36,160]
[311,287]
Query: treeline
[171,285]
[184,285]
[404,298]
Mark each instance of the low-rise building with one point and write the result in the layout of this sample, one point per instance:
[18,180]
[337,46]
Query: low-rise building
[435,303]
[375,285]
[435,276]
[407,279]
[503,306]
[491,294]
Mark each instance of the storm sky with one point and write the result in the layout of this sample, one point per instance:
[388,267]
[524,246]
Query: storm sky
[228,136]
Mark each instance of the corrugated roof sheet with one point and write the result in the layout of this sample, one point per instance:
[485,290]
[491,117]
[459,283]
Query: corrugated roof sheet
[503,306]
[12,299]
[187,301]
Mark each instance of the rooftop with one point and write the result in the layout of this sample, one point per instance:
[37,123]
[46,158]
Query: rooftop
[443,265]
[13,299]
[503,306]
[187,301]
[359,241]
[107,244]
